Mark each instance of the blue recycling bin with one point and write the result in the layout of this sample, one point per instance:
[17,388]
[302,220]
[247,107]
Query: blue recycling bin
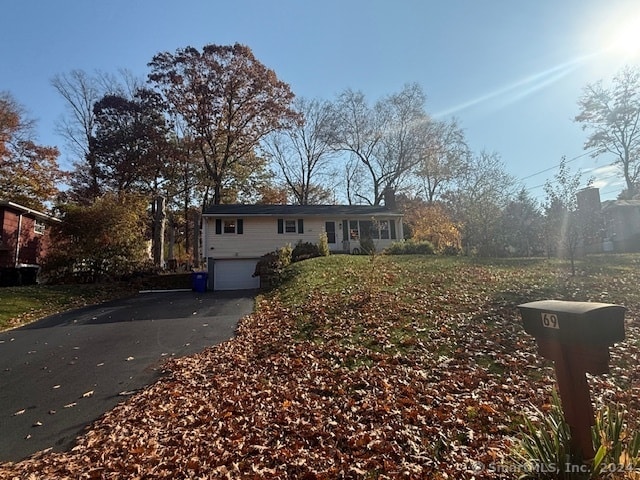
[199,281]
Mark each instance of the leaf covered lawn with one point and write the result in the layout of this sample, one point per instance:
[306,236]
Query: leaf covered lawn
[404,367]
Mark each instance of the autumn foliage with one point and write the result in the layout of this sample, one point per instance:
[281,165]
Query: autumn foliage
[416,369]
[430,222]
[29,173]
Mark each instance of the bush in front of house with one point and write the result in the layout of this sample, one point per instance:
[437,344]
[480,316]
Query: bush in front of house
[323,245]
[410,247]
[304,250]
[271,266]
[367,246]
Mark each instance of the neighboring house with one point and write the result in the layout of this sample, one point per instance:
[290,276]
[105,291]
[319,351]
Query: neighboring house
[23,242]
[622,225]
[234,237]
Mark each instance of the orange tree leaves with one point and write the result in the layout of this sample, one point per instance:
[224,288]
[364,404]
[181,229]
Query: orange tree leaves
[410,380]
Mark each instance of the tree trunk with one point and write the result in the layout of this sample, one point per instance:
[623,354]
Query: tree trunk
[196,239]
[158,231]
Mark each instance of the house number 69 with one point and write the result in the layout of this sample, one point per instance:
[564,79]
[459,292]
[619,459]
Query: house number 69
[550,320]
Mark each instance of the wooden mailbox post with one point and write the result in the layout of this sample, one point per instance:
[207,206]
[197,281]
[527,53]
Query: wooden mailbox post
[577,337]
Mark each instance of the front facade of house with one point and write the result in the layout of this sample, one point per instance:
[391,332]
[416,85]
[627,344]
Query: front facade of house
[23,242]
[234,237]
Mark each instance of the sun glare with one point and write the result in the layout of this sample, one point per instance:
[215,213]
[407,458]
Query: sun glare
[626,38]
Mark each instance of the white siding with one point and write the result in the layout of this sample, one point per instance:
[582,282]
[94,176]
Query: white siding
[260,235]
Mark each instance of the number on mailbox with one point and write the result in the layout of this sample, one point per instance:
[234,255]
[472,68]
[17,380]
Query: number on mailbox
[550,320]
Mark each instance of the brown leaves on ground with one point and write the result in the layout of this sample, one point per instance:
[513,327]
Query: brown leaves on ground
[414,382]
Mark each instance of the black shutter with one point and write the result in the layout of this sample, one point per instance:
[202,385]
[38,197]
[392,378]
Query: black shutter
[218,226]
[239,226]
[280,225]
[300,226]
[345,230]
[392,225]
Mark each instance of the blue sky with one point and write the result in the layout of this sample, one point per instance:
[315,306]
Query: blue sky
[511,71]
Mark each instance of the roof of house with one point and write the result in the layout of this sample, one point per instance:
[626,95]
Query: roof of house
[28,211]
[298,210]
[609,204]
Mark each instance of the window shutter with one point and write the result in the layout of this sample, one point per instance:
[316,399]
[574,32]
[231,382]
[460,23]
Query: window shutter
[300,226]
[392,226]
[280,225]
[345,230]
[239,226]
[218,226]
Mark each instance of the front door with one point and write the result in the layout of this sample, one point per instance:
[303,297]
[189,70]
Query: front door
[330,228]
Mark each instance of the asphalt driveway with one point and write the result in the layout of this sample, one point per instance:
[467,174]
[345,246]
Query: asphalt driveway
[63,372]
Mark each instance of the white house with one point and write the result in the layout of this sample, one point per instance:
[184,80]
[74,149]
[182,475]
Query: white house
[234,237]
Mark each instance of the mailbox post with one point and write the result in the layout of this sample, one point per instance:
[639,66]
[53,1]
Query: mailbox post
[576,336]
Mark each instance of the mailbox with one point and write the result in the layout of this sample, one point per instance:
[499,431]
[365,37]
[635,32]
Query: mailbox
[578,323]
[576,336]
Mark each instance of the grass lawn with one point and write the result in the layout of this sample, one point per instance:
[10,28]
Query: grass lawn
[20,305]
[360,367]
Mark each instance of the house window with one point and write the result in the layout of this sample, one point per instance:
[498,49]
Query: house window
[39,227]
[384,229]
[354,233]
[229,226]
[290,226]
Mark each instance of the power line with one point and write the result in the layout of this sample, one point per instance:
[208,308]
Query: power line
[556,166]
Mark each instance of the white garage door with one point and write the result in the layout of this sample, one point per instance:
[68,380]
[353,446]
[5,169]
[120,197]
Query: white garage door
[235,274]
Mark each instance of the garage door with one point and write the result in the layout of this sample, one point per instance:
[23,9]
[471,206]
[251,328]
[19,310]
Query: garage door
[235,274]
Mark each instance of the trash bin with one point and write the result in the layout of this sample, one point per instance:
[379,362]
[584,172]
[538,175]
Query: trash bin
[199,281]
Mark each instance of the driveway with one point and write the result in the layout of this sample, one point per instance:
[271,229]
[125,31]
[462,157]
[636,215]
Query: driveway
[63,372]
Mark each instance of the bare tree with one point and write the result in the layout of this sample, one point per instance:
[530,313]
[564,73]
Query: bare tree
[443,157]
[384,138]
[300,152]
[81,92]
[477,200]
[612,116]
[564,230]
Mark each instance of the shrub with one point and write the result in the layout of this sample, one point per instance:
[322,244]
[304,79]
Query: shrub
[99,242]
[323,245]
[271,266]
[304,250]
[284,255]
[367,247]
[410,247]
[451,251]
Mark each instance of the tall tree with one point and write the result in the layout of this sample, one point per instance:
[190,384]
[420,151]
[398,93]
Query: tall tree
[523,226]
[612,117]
[130,146]
[477,201]
[228,100]
[443,156]
[405,130]
[29,173]
[384,138]
[301,153]
[563,227]
[80,92]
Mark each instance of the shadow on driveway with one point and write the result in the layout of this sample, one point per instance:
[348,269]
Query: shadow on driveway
[63,372]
